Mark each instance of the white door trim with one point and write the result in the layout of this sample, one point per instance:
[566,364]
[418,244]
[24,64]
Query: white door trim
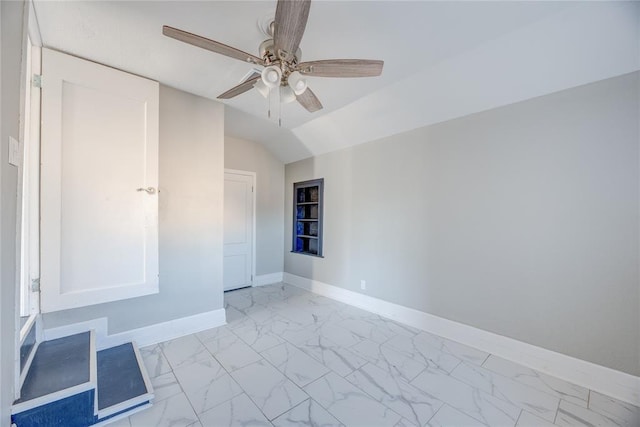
[253,213]
[29,186]
[24,72]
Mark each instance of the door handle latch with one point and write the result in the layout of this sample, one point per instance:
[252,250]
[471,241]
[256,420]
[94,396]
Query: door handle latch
[149,190]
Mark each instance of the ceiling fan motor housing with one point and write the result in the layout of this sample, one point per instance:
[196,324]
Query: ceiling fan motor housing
[267,52]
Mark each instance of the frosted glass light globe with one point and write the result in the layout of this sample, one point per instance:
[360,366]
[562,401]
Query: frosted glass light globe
[271,76]
[286,95]
[297,83]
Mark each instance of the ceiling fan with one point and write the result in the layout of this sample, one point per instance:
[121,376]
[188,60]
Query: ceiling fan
[280,56]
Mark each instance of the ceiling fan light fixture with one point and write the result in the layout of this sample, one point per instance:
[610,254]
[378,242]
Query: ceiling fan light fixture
[287,95]
[280,54]
[297,83]
[262,88]
[271,76]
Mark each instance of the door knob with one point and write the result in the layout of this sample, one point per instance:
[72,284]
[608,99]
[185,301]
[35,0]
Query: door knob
[149,190]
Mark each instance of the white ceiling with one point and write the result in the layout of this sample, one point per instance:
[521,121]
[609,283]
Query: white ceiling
[442,59]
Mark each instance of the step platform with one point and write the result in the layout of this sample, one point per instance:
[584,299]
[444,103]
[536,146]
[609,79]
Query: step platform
[71,384]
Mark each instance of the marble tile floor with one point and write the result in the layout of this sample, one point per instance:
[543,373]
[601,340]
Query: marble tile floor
[288,357]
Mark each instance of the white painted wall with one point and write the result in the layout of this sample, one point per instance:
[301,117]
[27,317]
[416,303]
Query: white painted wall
[191,173]
[253,157]
[583,42]
[521,220]
[12,41]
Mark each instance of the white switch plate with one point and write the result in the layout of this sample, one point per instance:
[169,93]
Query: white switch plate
[363,284]
[14,151]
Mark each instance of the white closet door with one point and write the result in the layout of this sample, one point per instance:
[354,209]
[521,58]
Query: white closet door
[238,230]
[99,148]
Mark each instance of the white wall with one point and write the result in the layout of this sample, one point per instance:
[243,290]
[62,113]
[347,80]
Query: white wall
[251,156]
[522,220]
[583,42]
[190,220]
[13,39]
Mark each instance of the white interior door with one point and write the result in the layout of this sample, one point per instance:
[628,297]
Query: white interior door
[238,229]
[99,228]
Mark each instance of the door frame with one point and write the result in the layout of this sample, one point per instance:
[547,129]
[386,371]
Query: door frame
[254,184]
[31,63]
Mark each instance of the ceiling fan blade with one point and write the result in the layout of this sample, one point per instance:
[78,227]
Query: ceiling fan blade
[239,89]
[309,100]
[209,44]
[290,22]
[341,68]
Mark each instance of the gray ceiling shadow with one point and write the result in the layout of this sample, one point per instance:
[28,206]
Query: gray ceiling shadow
[280,141]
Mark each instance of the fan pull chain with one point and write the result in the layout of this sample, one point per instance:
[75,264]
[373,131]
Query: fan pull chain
[269,106]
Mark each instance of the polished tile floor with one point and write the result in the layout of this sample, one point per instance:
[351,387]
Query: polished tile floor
[289,357]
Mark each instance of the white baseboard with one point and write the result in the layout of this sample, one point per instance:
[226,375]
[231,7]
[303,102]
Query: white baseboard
[605,380]
[144,336]
[268,279]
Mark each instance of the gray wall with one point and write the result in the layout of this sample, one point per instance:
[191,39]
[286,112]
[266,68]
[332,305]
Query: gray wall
[190,220]
[13,37]
[251,156]
[522,220]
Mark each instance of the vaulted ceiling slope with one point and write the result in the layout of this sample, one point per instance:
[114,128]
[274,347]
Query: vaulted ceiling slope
[442,59]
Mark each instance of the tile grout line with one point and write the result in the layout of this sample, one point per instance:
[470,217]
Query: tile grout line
[518,419]
[182,387]
[262,358]
[454,368]
[382,389]
[321,405]
[436,412]
[227,373]
[485,359]
[179,385]
[290,409]
[419,373]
